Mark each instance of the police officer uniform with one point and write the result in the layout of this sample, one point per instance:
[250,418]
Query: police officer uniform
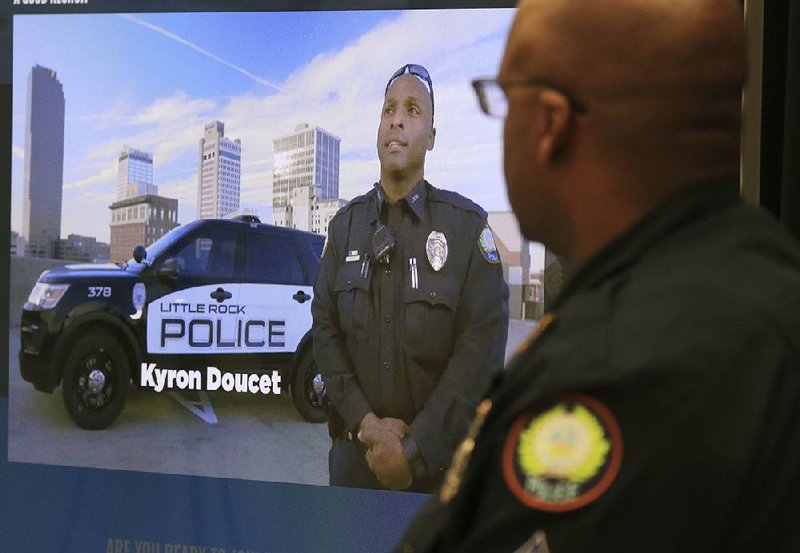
[657,410]
[414,333]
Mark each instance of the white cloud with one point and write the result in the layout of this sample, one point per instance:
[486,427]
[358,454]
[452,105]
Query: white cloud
[349,84]
[116,113]
[102,178]
[340,91]
[184,190]
[104,199]
[172,110]
[169,128]
[357,177]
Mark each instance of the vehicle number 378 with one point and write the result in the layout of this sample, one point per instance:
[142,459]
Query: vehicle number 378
[99,291]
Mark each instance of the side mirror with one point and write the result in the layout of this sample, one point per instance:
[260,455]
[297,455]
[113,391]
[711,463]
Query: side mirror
[169,268]
[139,253]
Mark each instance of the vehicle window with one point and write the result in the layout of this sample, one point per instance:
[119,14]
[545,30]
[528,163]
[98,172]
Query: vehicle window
[212,254]
[272,259]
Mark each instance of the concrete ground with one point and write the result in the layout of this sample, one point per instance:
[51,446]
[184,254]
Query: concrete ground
[254,437]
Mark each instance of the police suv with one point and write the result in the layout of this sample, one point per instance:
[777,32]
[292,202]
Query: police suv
[229,295]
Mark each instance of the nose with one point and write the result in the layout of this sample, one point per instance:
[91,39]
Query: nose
[396,120]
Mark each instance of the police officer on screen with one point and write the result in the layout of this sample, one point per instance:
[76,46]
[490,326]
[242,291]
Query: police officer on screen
[410,310]
[656,409]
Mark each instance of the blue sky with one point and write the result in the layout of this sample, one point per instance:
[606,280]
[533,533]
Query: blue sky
[153,80]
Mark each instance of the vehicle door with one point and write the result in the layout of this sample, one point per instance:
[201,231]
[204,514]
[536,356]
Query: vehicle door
[198,309]
[277,291]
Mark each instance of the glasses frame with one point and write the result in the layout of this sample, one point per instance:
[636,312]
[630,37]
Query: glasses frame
[418,71]
[479,85]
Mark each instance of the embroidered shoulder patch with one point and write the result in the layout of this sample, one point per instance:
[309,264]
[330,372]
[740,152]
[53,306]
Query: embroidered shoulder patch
[563,455]
[487,246]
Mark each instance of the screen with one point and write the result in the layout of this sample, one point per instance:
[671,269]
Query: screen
[123,121]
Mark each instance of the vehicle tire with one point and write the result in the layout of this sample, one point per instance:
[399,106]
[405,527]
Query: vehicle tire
[96,380]
[308,390]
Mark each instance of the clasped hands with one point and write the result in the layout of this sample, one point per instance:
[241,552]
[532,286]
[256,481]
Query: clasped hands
[384,451]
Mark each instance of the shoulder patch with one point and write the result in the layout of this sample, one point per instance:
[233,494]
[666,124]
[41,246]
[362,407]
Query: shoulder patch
[563,455]
[487,246]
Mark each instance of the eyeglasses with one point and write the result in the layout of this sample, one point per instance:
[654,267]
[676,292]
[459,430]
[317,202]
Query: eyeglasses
[417,71]
[494,102]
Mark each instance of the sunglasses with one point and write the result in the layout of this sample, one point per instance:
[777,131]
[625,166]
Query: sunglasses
[419,72]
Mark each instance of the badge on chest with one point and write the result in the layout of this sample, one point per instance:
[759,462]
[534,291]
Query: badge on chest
[436,249]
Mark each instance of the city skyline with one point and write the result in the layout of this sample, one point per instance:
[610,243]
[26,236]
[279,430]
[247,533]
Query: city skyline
[261,85]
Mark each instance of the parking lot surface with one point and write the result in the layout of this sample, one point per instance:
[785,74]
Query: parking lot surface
[224,435]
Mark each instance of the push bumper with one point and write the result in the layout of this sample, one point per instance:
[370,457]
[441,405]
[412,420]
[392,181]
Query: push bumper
[36,353]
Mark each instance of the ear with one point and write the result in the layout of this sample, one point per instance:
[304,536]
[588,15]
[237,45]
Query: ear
[431,138]
[555,129]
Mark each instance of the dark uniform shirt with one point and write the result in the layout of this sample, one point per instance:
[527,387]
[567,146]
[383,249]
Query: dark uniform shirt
[658,411]
[399,338]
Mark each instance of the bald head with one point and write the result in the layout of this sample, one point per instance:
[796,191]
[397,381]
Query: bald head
[661,78]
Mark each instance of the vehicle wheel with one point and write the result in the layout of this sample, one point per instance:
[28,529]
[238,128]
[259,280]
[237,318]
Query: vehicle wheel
[96,380]
[308,389]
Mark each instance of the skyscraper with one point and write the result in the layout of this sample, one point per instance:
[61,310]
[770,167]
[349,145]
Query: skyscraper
[135,173]
[307,158]
[44,163]
[219,176]
[140,215]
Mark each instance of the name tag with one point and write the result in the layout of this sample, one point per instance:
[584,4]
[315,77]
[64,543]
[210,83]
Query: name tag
[352,256]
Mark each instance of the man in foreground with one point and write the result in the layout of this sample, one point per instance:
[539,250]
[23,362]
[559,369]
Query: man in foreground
[410,310]
[657,407]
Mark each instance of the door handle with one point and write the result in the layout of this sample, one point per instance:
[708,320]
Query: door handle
[220,295]
[301,297]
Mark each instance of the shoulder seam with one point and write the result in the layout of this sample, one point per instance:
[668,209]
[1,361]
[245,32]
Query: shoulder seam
[457,200]
[349,205]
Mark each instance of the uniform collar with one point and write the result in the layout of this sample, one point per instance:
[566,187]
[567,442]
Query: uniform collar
[415,198]
[689,204]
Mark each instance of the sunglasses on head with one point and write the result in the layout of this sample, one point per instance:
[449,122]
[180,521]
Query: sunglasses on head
[419,72]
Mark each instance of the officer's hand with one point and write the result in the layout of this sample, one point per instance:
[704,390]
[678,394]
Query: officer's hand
[369,428]
[387,461]
[395,426]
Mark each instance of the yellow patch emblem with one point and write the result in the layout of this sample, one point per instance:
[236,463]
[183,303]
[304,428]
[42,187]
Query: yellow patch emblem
[564,455]
[564,444]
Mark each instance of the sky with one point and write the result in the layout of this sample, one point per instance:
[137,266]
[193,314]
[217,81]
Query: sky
[152,81]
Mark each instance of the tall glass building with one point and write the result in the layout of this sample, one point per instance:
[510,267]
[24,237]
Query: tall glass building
[219,177]
[135,173]
[307,158]
[44,163]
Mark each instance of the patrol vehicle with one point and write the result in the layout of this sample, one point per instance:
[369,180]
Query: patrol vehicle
[231,294]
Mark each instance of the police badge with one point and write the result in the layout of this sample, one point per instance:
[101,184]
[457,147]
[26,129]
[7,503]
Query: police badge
[436,248]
